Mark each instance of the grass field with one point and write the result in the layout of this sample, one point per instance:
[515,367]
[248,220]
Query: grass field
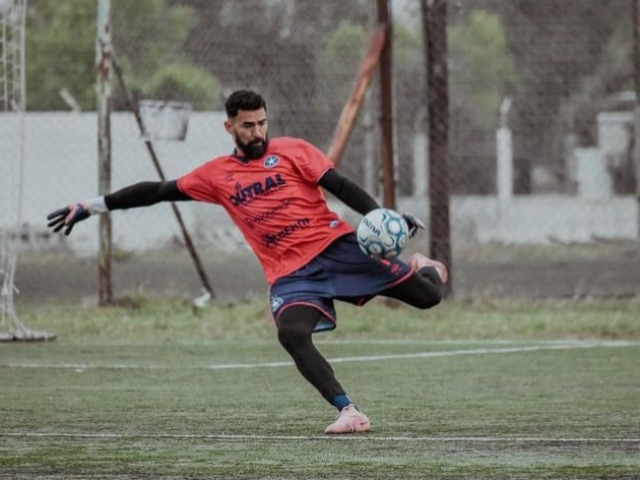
[491,390]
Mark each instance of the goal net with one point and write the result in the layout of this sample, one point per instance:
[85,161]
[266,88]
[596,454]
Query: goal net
[12,109]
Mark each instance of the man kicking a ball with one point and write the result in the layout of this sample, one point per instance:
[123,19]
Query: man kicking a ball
[271,188]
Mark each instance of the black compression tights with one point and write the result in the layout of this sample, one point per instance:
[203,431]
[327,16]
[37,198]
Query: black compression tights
[423,289]
[295,326]
[296,323]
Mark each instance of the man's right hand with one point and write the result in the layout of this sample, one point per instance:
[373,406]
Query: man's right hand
[68,217]
[414,224]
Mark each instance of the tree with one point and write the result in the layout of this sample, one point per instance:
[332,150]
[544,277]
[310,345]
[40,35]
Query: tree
[481,75]
[341,54]
[481,69]
[147,35]
[149,38]
[56,59]
[600,90]
[273,46]
[555,46]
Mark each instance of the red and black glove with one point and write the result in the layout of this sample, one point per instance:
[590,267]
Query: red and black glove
[413,222]
[68,217]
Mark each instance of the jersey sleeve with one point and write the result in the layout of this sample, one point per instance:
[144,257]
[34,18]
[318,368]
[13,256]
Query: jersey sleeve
[199,183]
[311,161]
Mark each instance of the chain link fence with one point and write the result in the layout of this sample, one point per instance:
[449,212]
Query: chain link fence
[542,181]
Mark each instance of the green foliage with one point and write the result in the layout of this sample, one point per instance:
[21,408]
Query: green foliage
[344,45]
[150,32]
[344,51]
[342,54]
[481,67]
[182,82]
[554,49]
[612,75]
[408,54]
[61,53]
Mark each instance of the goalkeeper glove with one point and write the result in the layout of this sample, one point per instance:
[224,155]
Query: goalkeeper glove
[74,213]
[413,222]
[68,217]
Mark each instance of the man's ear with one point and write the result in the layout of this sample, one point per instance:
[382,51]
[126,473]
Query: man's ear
[228,126]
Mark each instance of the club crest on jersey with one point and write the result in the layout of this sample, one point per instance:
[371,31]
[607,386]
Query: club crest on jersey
[271,161]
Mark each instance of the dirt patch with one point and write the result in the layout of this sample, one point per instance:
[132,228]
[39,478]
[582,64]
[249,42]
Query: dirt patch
[607,271]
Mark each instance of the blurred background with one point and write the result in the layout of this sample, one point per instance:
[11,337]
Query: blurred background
[543,186]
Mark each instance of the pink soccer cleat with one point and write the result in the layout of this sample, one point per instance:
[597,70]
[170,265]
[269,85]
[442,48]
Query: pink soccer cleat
[418,261]
[350,420]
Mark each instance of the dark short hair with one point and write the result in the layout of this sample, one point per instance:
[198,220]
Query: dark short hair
[243,100]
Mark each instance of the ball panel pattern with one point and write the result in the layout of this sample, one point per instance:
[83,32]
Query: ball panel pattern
[383,233]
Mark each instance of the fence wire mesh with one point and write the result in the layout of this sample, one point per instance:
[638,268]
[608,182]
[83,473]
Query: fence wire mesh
[540,131]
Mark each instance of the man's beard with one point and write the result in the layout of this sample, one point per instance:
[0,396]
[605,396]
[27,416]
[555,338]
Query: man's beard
[253,150]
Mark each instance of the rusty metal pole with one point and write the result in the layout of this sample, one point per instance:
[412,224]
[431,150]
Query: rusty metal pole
[434,20]
[103,94]
[386,106]
[133,106]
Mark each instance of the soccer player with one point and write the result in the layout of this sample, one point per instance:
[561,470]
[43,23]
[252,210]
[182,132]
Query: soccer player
[271,188]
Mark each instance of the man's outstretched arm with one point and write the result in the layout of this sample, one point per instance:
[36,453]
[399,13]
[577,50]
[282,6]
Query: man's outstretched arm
[144,194]
[138,195]
[355,197]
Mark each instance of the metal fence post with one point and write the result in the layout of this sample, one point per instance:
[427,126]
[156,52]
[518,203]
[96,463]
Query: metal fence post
[635,8]
[386,107]
[103,95]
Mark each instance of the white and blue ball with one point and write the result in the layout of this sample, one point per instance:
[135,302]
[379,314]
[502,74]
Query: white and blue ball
[383,233]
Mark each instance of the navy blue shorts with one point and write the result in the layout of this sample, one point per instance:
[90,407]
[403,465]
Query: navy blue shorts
[341,272]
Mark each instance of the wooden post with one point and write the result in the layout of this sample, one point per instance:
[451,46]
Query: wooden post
[103,89]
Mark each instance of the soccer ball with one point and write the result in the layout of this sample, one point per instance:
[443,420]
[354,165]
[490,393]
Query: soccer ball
[382,233]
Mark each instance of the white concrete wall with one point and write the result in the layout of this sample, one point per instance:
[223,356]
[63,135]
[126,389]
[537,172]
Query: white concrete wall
[613,131]
[592,178]
[60,166]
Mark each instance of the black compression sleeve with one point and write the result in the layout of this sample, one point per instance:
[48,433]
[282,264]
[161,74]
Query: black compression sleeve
[145,193]
[348,192]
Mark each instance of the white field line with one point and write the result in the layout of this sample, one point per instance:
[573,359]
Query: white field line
[360,437]
[365,358]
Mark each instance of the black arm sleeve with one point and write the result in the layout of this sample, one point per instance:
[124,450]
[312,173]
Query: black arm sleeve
[145,193]
[348,192]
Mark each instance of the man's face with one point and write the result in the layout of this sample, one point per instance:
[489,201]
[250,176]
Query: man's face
[249,130]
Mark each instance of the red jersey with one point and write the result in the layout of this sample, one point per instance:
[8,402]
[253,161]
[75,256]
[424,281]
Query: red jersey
[275,201]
